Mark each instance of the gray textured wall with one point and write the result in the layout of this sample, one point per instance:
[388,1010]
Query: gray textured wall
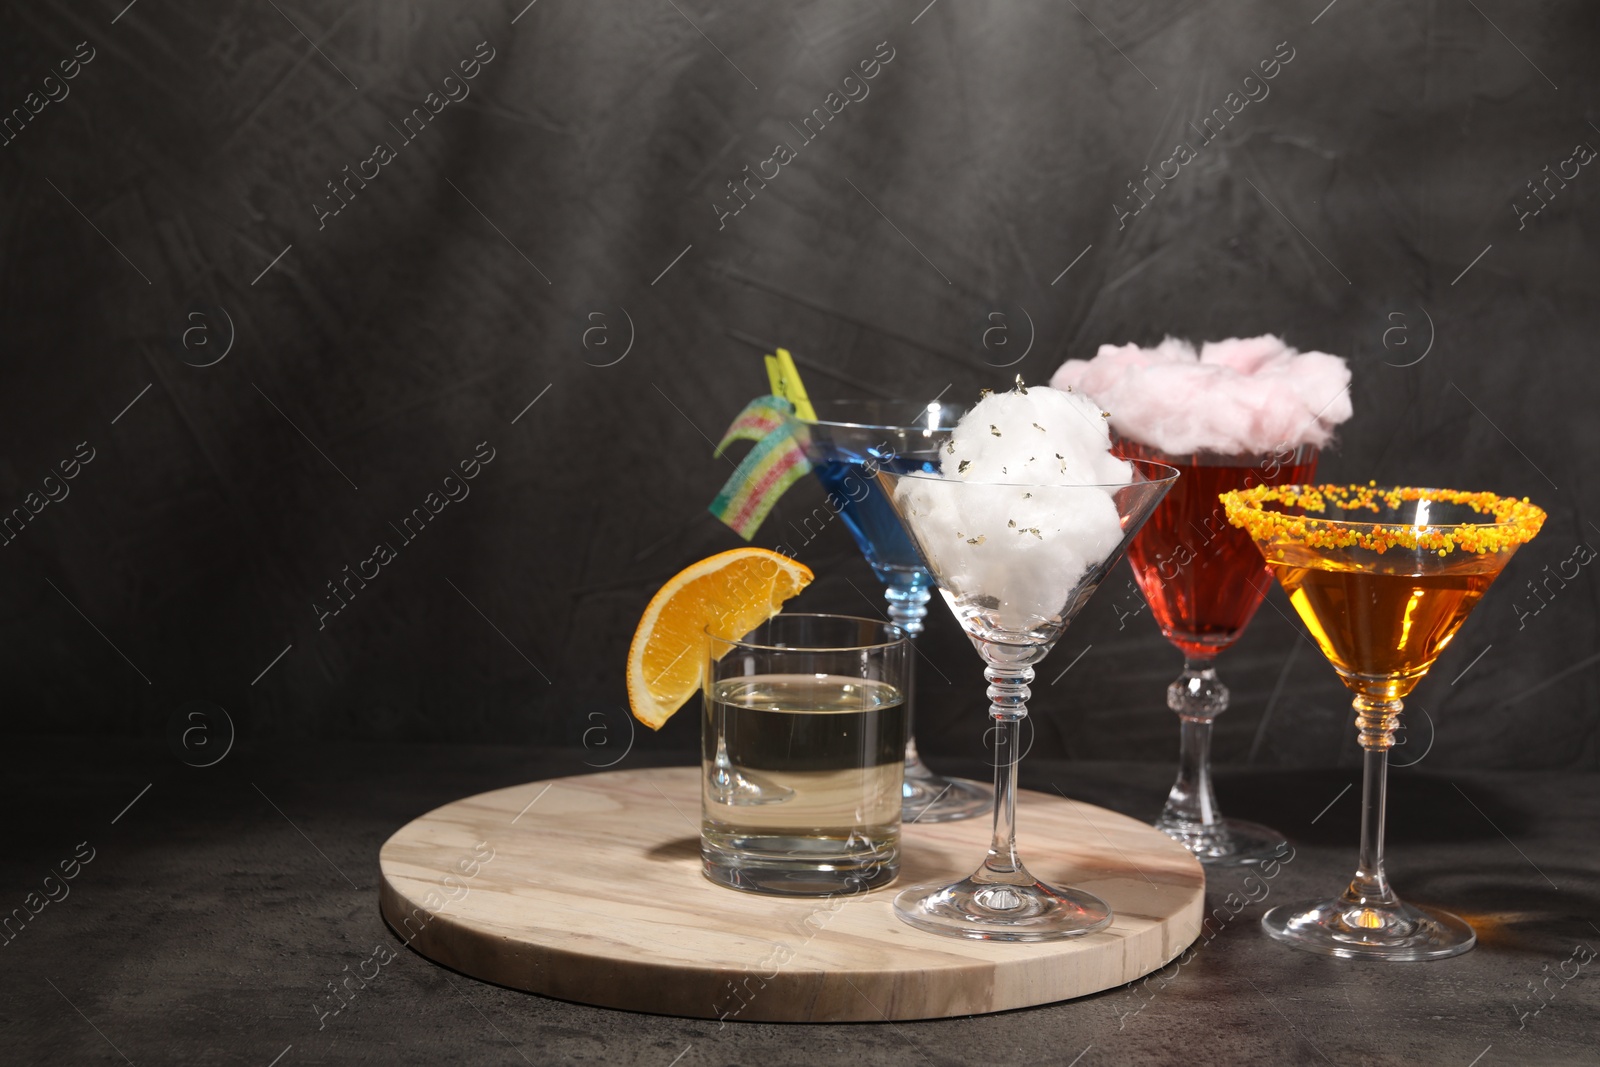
[1364,207]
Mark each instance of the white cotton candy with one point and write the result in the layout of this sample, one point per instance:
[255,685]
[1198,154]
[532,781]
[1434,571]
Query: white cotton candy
[1024,509]
[1240,396]
[1041,437]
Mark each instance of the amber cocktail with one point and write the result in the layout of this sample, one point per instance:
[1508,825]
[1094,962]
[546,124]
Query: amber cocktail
[1383,578]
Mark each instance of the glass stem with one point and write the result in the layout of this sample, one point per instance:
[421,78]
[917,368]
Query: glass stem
[1198,698]
[908,607]
[1376,721]
[1008,706]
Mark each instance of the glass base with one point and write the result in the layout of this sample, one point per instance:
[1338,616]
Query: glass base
[1226,842]
[929,797]
[987,911]
[1338,928]
[799,866]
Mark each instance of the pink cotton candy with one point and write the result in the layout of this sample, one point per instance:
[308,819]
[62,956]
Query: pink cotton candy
[1240,396]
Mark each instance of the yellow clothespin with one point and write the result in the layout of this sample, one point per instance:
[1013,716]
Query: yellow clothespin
[794,389]
[774,375]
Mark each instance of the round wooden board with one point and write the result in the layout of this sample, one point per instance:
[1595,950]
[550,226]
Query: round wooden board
[589,889]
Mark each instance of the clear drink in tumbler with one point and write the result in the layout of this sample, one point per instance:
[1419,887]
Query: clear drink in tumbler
[803,756]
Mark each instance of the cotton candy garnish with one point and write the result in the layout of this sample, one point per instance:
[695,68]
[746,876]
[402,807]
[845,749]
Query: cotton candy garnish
[1034,514]
[1250,395]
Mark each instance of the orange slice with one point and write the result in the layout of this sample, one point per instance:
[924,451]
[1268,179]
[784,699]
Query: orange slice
[730,593]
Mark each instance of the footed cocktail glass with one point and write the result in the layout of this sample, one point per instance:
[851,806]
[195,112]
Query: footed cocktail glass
[1014,585]
[1204,580]
[1383,578]
[846,446]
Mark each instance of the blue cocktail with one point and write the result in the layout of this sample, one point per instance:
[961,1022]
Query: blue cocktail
[870,519]
[849,443]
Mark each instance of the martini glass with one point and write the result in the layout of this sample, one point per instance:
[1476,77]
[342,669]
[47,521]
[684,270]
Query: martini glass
[853,440]
[1383,578]
[1204,580]
[1015,563]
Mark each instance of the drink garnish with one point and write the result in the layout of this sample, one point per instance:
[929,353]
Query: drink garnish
[776,462]
[1240,396]
[726,595]
[1513,522]
[1034,546]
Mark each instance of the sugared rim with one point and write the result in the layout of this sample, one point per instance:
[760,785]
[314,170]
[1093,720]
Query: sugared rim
[1512,522]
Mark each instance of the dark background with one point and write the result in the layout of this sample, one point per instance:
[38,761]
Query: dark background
[1363,208]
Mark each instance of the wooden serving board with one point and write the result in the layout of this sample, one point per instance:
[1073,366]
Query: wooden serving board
[589,889]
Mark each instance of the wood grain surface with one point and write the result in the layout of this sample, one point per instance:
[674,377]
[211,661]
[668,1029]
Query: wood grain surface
[589,889]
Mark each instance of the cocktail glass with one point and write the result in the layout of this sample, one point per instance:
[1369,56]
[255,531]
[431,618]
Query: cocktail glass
[1383,579]
[1204,580]
[1014,588]
[853,440]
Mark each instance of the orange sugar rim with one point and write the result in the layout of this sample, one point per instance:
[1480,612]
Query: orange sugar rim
[1514,522]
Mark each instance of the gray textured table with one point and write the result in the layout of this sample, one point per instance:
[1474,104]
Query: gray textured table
[222,905]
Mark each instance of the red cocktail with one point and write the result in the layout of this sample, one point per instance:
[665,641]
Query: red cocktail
[1204,580]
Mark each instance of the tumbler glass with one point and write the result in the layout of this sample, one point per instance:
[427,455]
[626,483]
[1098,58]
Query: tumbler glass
[811,711]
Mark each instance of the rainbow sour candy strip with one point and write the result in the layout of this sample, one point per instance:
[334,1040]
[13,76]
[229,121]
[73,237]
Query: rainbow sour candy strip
[759,418]
[776,463]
